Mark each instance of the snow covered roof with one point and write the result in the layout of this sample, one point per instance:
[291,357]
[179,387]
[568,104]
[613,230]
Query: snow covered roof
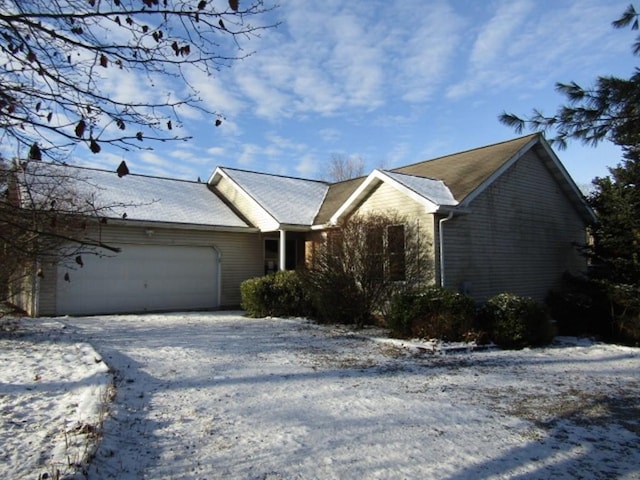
[289,200]
[144,198]
[433,194]
[433,190]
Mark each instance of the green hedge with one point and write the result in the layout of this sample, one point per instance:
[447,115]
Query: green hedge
[335,298]
[625,301]
[279,294]
[516,322]
[508,320]
[433,312]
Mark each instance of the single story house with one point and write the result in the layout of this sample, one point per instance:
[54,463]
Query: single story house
[500,218]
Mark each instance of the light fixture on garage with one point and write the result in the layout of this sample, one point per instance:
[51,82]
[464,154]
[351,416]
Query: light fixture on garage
[149,232]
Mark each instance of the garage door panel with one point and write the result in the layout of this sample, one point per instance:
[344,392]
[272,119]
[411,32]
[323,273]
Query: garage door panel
[142,278]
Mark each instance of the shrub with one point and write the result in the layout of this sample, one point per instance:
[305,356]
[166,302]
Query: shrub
[625,302]
[279,294]
[516,322]
[432,313]
[605,309]
[360,264]
[580,307]
[335,298]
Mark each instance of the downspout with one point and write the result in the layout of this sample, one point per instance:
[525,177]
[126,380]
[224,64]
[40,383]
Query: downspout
[282,260]
[441,244]
[35,291]
[219,275]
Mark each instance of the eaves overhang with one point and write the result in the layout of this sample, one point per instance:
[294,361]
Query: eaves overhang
[178,225]
[567,184]
[405,184]
[289,228]
[219,173]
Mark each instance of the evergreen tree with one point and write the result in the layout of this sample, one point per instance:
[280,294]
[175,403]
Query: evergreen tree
[610,110]
[616,247]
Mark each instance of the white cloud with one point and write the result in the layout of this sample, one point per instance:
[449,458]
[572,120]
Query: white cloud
[397,156]
[322,60]
[282,143]
[423,48]
[497,34]
[216,151]
[104,161]
[307,166]
[247,154]
[217,95]
[526,48]
[268,100]
[330,135]
[150,163]
[488,56]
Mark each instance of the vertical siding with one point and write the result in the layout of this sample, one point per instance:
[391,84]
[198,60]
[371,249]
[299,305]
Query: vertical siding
[240,257]
[518,236]
[256,216]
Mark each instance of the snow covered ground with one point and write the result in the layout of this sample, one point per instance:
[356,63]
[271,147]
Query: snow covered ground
[220,396]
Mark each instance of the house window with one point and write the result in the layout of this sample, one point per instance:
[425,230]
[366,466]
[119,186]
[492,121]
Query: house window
[396,265]
[383,253]
[272,255]
[375,252]
[335,242]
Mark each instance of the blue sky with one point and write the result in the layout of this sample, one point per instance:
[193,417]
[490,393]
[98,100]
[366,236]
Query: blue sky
[393,82]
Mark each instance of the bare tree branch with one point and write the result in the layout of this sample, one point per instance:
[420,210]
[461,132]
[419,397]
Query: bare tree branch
[610,110]
[341,168]
[62,61]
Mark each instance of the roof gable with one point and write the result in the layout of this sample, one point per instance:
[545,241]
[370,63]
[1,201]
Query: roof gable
[436,191]
[467,171]
[432,194]
[337,194]
[453,181]
[288,200]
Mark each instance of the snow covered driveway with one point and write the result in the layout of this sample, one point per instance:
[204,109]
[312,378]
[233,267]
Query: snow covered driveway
[220,396]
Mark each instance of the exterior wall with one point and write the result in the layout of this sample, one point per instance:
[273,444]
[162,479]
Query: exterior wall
[240,257]
[312,244]
[386,198]
[256,216]
[518,237]
[21,290]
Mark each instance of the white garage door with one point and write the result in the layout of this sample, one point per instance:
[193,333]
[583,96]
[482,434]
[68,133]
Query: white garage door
[141,278]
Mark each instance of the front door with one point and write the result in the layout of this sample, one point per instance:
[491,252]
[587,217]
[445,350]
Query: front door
[271,254]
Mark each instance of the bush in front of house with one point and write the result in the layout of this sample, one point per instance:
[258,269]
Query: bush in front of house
[625,307]
[597,307]
[335,297]
[516,322]
[581,307]
[279,294]
[432,312]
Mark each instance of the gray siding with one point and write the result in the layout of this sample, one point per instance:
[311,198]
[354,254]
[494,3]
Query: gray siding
[517,237]
[240,257]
